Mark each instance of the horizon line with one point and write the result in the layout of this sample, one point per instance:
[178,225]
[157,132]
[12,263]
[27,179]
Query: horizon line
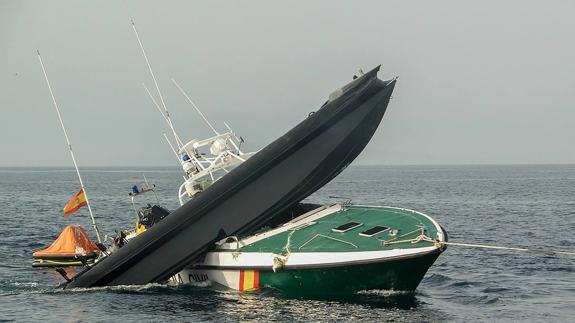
[352,165]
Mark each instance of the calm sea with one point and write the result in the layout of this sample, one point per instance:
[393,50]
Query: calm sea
[520,206]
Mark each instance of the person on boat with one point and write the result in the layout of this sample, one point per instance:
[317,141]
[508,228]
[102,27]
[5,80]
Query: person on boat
[120,239]
[135,190]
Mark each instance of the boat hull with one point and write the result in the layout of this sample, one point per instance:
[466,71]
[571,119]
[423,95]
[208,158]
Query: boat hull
[399,274]
[307,256]
[280,175]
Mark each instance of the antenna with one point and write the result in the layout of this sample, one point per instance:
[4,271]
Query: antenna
[195,107]
[167,114]
[166,118]
[240,139]
[172,147]
[230,130]
[153,188]
[70,148]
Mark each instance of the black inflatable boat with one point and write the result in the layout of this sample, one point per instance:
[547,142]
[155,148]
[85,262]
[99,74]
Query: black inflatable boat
[253,194]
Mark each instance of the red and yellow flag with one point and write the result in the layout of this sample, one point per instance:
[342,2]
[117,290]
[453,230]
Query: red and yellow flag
[76,202]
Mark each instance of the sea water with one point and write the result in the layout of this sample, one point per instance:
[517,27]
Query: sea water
[518,206]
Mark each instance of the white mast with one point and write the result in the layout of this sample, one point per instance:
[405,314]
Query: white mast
[70,148]
[167,116]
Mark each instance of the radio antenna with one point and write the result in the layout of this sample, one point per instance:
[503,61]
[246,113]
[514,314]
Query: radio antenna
[167,114]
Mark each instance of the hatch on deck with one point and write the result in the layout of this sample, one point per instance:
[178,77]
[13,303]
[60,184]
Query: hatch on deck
[373,231]
[346,227]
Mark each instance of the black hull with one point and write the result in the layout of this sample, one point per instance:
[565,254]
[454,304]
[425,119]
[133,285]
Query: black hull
[283,173]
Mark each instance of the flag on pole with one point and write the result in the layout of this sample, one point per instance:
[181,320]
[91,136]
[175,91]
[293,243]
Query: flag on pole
[76,202]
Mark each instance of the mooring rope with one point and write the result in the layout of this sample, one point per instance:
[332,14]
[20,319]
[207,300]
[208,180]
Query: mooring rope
[281,259]
[470,245]
[425,238]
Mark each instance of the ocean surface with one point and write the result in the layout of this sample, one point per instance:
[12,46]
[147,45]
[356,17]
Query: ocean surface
[518,206]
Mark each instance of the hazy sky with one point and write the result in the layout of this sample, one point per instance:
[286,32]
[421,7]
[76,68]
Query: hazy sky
[479,81]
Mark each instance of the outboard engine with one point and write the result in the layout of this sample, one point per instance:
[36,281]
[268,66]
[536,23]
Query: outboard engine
[151,214]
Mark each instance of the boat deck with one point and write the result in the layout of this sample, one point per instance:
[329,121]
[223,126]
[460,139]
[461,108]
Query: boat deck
[318,235]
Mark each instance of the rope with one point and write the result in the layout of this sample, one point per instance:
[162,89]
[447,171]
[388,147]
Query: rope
[470,245]
[280,260]
[420,228]
[288,243]
[327,237]
[424,238]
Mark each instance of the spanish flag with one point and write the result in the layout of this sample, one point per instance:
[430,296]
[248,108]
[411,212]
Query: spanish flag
[249,280]
[76,202]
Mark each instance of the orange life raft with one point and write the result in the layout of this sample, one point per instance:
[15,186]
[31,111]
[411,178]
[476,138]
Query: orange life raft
[72,248]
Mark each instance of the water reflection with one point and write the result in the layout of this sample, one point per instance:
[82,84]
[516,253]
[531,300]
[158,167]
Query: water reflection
[267,304]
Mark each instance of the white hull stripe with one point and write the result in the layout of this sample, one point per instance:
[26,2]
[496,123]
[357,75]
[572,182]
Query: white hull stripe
[233,260]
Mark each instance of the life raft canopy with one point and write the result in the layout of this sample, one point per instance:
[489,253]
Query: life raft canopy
[72,242]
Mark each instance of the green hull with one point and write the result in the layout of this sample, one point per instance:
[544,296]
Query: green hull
[397,275]
[332,250]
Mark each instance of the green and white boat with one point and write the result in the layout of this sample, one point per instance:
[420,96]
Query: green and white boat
[335,249]
[317,250]
[330,250]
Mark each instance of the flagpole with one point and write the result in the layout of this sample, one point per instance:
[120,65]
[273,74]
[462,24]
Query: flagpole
[70,148]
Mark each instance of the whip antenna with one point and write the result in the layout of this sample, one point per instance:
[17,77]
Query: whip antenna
[195,107]
[166,118]
[167,114]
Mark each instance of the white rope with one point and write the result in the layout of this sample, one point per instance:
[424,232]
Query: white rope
[421,230]
[424,238]
[470,245]
[286,248]
[280,260]
[327,237]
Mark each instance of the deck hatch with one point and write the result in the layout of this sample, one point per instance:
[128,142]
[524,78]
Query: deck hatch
[373,231]
[346,227]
